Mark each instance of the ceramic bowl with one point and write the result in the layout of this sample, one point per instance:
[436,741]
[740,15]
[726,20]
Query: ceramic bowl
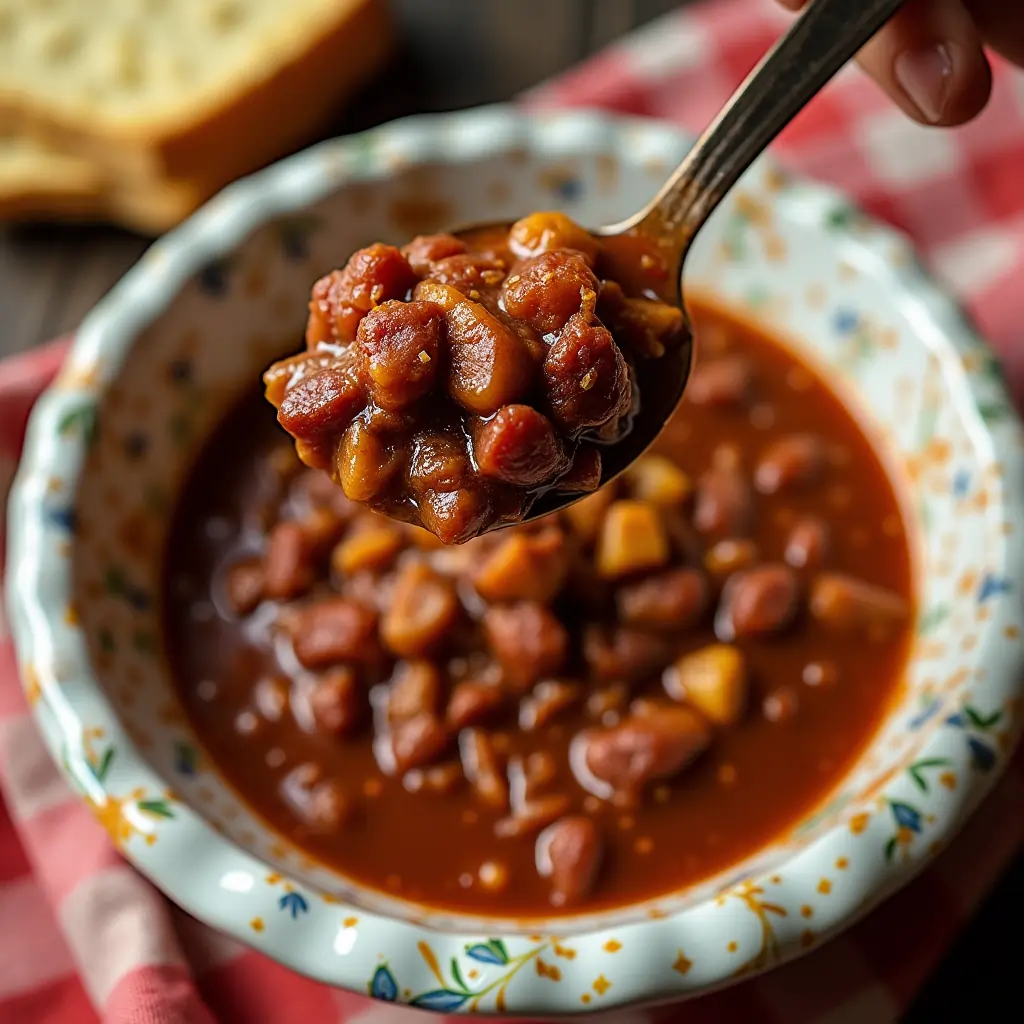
[210,305]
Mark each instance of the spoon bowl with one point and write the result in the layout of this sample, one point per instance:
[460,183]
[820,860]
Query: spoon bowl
[820,42]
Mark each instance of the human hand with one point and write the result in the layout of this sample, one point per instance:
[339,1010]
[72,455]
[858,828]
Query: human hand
[929,57]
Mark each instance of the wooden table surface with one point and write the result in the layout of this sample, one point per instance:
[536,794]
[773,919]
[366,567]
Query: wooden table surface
[50,276]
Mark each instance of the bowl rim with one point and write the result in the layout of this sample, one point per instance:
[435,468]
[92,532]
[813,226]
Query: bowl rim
[38,577]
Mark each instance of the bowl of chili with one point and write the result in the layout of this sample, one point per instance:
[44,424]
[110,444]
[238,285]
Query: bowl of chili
[686,730]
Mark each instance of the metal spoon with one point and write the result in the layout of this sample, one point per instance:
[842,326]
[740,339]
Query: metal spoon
[827,35]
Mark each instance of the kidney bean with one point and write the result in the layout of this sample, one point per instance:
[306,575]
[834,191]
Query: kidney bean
[620,654]
[439,462]
[525,567]
[757,602]
[642,748]
[543,232]
[287,564]
[438,779]
[723,382]
[335,703]
[331,630]
[789,462]
[545,290]
[321,528]
[527,640]
[728,556]
[472,702]
[632,540]
[585,376]
[569,852]
[670,600]
[807,544]
[365,462]
[271,697]
[724,502]
[416,741]
[321,403]
[341,299]
[424,250]
[454,516]
[400,350]
[518,445]
[713,680]
[415,689]
[846,604]
[531,816]
[539,772]
[610,700]
[645,326]
[471,273]
[424,609]
[547,699]
[489,366]
[244,585]
[483,769]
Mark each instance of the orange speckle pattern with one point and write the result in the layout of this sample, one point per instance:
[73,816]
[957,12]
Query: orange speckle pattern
[612,946]
[256,924]
[601,984]
[806,911]
[350,922]
[1011,633]
[842,864]
[859,822]
[682,963]
[732,947]
[585,998]
[948,779]
[824,887]
[807,939]
[546,970]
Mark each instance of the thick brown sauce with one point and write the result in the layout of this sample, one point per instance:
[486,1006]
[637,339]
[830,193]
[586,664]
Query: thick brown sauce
[758,779]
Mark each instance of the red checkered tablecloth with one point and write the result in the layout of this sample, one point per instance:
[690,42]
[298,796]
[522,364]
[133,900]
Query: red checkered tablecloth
[83,937]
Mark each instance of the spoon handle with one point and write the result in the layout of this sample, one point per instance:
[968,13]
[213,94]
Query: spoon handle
[818,44]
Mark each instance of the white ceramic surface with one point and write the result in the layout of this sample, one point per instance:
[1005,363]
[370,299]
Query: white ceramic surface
[190,327]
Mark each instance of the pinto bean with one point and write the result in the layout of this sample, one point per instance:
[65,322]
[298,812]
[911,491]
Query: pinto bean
[789,462]
[569,852]
[415,689]
[545,290]
[417,741]
[483,769]
[424,250]
[548,698]
[471,702]
[846,604]
[532,816]
[332,630]
[543,232]
[424,608]
[757,602]
[287,565]
[725,382]
[334,701]
[620,654]
[518,446]
[724,502]
[365,462]
[244,585]
[807,544]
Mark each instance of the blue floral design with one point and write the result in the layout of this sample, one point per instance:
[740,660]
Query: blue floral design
[62,517]
[213,278]
[186,759]
[295,903]
[961,483]
[492,952]
[846,321]
[907,816]
[993,586]
[383,985]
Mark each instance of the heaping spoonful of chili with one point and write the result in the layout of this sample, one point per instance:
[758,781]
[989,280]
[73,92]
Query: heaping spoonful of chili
[496,374]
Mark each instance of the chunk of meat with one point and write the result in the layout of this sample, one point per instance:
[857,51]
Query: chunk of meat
[424,250]
[569,853]
[518,446]
[332,630]
[545,290]
[656,745]
[547,700]
[790,462]
[525,567]
[545,231]
[400,351]
[244,585]
[528,641]
[621,654]
[724,382]
[846,604]
[712,679]
[489,365]
[632,540]
[585,376]
[424,609]
[584,475]
[483,768]
[674,599]
[335,701]
[342,298]
[531,816]
[321,403]
[472,702]
[370,547]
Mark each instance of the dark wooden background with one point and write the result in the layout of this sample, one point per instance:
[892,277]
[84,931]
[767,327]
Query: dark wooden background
[459,53]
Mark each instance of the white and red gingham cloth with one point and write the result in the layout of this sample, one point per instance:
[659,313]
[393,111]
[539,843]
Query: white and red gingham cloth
[83,937]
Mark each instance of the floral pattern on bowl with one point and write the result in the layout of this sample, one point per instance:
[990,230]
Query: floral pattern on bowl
[189,329]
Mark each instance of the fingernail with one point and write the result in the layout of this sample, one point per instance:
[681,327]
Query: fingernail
[926,76]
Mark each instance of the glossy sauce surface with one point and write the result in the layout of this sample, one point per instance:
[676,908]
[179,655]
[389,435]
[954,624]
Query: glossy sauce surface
[773,465]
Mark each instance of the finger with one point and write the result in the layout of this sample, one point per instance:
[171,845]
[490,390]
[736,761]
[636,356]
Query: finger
[929,59]
[1001,25]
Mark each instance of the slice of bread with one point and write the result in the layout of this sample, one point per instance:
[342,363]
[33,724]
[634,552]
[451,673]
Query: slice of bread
[37,183]
[186,89]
